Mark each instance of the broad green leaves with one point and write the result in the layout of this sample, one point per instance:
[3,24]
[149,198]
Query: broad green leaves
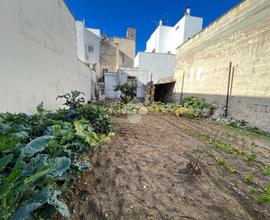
[84,131]
[44,196]
[35,146]
[41,154]
[5,161]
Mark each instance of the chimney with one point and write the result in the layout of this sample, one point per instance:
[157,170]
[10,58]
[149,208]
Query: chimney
[160,22]
[131,33]
[188,11]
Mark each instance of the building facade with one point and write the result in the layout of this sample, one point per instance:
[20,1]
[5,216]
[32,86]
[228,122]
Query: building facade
[117,52]
[88,51]
[38,55]
[157,63]
[165,39]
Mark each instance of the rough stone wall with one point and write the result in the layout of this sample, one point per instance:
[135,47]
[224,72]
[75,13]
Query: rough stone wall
[108,56]
[38,55]
[241,36]
[124,60]
[116,53]
[128,46]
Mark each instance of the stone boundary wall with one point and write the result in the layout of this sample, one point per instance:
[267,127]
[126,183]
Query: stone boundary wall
[241,36]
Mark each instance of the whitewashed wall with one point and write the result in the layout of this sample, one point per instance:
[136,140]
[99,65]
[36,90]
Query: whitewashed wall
[88,37]
[139,74]
[161,40]
[38,57]
[166,42]
[161,66]
[193,25]
[111,80]
[93,39]
[179,33]
[80,35]
[165,39]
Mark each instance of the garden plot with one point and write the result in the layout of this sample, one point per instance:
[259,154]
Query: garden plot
[41,155]
[164,167]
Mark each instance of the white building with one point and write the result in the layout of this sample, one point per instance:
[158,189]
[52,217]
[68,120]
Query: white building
[88,50]
[38,55]
[88,44]
[166,39]
[158,61]
[155,66]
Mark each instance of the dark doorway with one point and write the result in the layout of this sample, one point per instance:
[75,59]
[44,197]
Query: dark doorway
[163,92]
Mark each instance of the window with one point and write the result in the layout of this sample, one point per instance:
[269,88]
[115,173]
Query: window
[131,77]
[90,48]
[104,71]
[102,77]
[123,58]
[177,28]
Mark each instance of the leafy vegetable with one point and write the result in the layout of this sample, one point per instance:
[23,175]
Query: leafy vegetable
[74,99]
[128,92]
[35,146]
[195,103]
[5,161]
[44,196]
[40,154]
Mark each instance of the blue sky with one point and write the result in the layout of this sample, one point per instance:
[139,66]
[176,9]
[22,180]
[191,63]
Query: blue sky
[114,17]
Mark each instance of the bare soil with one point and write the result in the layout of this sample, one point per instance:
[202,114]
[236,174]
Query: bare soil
[143,173]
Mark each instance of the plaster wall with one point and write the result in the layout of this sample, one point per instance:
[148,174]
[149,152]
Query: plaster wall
[38,55]
[165,39]
[150,63]
[128,46]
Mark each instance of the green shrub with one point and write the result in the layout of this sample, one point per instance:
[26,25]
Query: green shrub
[99,117]
[40,154]
[128,92]
[74,99]
[196,103]
[160,107]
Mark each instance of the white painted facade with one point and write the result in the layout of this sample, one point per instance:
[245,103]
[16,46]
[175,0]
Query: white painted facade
[88,49]
[141,76]
[159,59]
[111,80]
[166,39]
[38,55]
[88,43]
[156,65]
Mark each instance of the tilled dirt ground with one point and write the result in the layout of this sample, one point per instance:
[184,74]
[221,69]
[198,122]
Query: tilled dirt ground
[142,173]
